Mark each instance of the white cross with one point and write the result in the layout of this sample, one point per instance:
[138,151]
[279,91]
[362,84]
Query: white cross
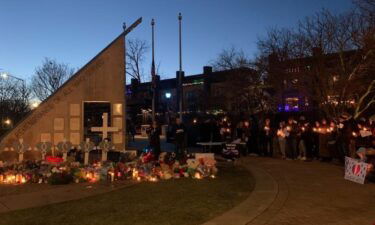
[105,128]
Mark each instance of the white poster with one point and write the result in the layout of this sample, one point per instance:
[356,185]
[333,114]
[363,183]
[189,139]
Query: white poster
[355,171]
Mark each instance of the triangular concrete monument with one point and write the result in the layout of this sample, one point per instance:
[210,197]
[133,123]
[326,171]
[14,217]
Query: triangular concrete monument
[61,116]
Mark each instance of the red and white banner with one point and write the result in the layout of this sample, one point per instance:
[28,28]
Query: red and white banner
[355,171]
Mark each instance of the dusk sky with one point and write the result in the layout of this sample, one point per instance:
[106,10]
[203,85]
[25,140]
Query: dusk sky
[73,31]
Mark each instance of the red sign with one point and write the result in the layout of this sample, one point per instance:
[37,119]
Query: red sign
[53,159]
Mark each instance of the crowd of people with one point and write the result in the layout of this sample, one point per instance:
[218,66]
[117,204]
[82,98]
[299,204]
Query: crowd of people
[327,140]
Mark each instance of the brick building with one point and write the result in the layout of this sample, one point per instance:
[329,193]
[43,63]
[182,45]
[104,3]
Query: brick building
[295,80]
[202,93]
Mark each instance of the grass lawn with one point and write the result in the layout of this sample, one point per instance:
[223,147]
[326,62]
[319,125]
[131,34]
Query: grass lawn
[182,201]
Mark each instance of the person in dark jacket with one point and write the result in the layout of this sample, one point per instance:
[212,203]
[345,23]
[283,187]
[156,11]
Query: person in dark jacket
[291,139]
[154,138]
[179,132]
[266,138]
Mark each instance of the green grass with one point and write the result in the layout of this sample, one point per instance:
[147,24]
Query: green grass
[182,201]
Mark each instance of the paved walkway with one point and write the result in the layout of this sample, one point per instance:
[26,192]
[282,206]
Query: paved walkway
[295,192]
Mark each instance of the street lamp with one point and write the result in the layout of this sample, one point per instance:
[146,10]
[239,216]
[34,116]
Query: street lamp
[7,75]
[168,96]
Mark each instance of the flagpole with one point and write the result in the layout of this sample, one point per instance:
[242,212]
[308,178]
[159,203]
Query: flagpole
[180,71]
[153,73]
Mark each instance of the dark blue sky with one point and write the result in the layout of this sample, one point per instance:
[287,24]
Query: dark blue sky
[74,31]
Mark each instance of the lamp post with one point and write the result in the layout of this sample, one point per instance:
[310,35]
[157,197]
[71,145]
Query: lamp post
[180,71]
[168,95]
[5,76]
[153,72]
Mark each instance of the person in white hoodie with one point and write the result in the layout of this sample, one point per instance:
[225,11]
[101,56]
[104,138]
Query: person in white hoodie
[282,133]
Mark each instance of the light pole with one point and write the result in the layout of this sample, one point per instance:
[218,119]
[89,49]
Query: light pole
[168,95]
[5,76]
[153,78]
[180,71]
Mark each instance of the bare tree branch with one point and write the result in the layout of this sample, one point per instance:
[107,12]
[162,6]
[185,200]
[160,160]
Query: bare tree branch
[49,77]
[136,50]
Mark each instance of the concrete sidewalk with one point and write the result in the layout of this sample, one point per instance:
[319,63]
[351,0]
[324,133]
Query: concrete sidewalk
[295,192]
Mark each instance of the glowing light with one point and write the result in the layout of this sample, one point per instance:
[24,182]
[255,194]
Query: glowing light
[168,95]
[112,175]
[4,75]
[34,105]
[197,176]
[7,121]
[153,179]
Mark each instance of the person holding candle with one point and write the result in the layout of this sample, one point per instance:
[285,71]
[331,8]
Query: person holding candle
[291,139]
[323,133]
[315,149]
[282,132]
[266,138]
[301,139]
[332,141]
[246,136]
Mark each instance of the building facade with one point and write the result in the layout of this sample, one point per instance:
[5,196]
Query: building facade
[201,93]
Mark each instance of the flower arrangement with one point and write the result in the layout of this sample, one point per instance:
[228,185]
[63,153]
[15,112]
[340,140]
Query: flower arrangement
[145,168]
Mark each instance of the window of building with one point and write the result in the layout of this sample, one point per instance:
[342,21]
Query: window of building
[291,104]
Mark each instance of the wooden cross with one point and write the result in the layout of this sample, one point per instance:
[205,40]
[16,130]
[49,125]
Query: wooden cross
[105,128]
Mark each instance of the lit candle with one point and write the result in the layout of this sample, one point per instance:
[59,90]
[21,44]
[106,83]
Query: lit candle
[112,176]
[197,175]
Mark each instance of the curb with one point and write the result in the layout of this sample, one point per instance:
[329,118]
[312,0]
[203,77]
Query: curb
[261,198]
